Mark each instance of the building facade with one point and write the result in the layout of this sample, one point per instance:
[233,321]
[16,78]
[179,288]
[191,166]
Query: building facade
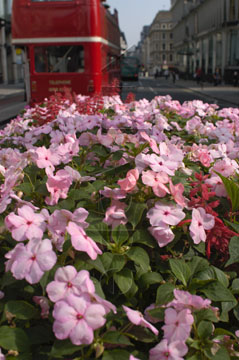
[11,60]
[161,42]
[206,36]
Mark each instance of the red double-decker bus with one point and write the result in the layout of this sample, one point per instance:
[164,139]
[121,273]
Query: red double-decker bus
[67,43]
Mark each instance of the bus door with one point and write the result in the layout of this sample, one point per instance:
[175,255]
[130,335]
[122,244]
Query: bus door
[26,68]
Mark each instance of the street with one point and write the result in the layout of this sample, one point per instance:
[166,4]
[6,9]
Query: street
[182,90]
[12,98]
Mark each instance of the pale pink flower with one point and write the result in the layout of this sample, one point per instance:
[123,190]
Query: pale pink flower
[137,318]
[201,221]
[237,333]
[168,351]
[167,214]
[130,358]
[76,318]
[115,194]
[226,167]
[44,304]
[177,324]
[151,141]
[68,150]
[217,185]
[185,300]
[81,242]
[148,316]
[76,176]
[2,356]
[128,184]
[157,181]
[68,281]
[162,234]
[58,186]
[46,158]
[177,193]
[115,214]
[31,261]
[108,306]
[2,294]
[26,225]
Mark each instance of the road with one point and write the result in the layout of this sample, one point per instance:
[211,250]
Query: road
[223,96]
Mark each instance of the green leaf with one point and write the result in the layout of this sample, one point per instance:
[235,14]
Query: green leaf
[26,188]
[181,270]
[21,309]
[13,339]
[120,234]
[205,314]
[100,150]
[235,226]
[134,213]
[233,251]
[113,262]
[143,237]
[197,264]
[140,257]
[98,232]
[232,190]
[226,307]
[150,278]
[116,355]
[115,337]
[205,329]
[217,292]
[221,276]
[97,264]
[222,354]
[125,281]
[63,347]
[235,286]
[165,294]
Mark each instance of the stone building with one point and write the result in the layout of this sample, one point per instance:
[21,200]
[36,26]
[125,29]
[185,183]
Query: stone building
[11,62]
[161,42]
[206,36]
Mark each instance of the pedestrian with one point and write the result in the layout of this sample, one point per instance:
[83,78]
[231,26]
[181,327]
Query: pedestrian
[166,74]
[217,77]
[235,78]
[198,75]
[174,76]
[156,75]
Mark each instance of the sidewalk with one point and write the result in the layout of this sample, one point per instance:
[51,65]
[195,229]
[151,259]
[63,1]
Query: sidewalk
[224,92]
[11,90]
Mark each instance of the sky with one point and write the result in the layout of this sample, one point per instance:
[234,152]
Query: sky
[134,14]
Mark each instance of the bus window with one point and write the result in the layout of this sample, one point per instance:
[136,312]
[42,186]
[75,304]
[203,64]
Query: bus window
[61,59]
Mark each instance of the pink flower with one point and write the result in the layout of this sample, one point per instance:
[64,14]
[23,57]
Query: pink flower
[1,294]
[163,234]
[237,333]
[201,221]
[166,214]
[165,351]
[58,186]
[68,281]
[133,358]
[2,356]
[138,319]
[115,214]
[76,318]
[205,157]
[81,242]
[177,193]
[26,225]
[44,304]
[115,194]
[185,300]
[177,325]
[31,261]
[157,181]
[46,158]
[128,184]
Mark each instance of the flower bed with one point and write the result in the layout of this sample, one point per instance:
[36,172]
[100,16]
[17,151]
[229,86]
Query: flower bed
[119,231]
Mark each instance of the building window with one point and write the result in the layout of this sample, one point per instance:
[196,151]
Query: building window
[232,10]
[163,26]
[163,46]
[163,36]
[171,46]
[171,35]
[171,57]
[164,57]
[234,49]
